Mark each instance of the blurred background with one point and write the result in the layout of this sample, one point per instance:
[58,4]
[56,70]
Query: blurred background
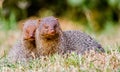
[99,18]
[95,15]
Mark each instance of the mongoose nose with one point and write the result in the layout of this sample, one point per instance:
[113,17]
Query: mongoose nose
[31,36]
[52,32]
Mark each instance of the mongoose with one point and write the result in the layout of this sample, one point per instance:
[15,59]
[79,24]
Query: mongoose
[51,39]
[25,48]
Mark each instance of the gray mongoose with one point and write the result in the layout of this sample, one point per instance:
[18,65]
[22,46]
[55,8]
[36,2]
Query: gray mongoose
[25,48]
[51,39]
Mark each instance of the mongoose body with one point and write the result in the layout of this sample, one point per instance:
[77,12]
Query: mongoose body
[51,39]
[79,42]
[25,48]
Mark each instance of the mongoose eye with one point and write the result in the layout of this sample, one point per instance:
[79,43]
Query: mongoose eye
[27,31]
[34,31]
[46,27]
[55,26]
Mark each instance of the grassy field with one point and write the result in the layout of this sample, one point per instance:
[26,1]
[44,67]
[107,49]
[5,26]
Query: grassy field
[92,62]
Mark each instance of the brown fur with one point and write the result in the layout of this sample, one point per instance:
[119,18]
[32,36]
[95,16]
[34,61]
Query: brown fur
[48,37]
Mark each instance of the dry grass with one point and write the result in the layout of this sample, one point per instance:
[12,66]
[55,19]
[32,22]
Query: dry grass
[92,62]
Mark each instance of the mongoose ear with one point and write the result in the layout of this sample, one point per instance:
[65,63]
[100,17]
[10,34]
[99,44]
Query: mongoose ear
[38,23]
[56,18]
[23,22]
[23,26]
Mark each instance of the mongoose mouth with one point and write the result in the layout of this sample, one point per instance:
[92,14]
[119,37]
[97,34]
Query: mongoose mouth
[50,36]
[30,39]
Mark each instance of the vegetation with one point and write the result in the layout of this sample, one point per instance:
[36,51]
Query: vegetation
[107,62]
[95,15]
[99,18]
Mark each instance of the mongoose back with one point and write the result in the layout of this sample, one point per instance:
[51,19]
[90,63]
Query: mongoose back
[80,42]
[51,39]
[25,48]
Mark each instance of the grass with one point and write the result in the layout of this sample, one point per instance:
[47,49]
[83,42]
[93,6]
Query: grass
[73,63]
[92,62]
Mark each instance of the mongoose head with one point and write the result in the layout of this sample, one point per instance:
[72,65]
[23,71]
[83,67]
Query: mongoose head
[29,29]
[49,28]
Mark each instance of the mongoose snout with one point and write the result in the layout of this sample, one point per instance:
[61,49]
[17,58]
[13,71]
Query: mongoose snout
[50,29]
